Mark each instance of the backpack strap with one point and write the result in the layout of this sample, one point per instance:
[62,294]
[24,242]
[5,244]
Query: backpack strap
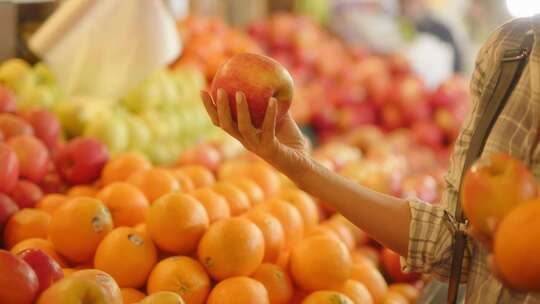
[512,64]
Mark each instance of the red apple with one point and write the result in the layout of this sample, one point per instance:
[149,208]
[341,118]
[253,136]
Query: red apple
[422,186]
[11,125]
[46,268]
[260,78]
[9,168]
[18,282]
[7,100]
[52,183]
[7,208]
[364,137]
[494,186]
[204,155]
[46,126]
[392,266]
[26,194]
[32,155]
[81,160]
[428,134]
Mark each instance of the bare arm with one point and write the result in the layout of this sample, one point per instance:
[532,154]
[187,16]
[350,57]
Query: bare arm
[384,217]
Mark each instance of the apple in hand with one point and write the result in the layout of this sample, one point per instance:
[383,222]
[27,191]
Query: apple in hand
[9,168]
[71,290]
[46,268]
[33,156]
[259,78]
[81,160]
[492,187]
[7,100]
[18,282]
[26,194]
[45,124]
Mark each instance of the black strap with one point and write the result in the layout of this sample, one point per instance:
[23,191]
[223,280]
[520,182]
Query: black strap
[512,65]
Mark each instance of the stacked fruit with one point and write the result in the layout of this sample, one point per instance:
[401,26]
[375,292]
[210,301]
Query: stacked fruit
[160,117]
[209,42]
[339,87]
[208,230]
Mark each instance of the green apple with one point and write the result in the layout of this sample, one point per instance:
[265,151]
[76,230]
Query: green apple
[111,130]
[139,134]
[43,74]
[36,96]
[17,75]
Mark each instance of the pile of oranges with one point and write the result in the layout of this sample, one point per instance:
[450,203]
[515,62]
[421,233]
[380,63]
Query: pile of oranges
[242,235]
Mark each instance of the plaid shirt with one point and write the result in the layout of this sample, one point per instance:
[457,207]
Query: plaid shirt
[516,132]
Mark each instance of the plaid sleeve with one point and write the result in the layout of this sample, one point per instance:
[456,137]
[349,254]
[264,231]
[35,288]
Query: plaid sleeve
[430,241]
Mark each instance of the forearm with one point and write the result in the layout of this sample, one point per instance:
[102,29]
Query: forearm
[384,217]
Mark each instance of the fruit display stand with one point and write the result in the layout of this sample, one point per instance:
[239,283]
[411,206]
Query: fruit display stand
[143,200]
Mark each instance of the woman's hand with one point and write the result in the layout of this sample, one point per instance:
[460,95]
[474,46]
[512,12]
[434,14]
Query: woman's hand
[277,142]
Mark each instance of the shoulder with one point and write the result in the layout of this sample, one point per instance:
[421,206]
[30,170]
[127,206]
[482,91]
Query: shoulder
[508,35]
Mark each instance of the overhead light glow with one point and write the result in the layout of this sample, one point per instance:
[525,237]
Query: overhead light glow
[523,8]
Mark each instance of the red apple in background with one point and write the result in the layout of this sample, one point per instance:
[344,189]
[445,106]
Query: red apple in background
[52,183]
[81,160]
[428,134]
[260,78]
[204,155]
[7,100]
[494,186]
[18,282]
[9,168]
[26,194]
[32,155]
[392,266]
[7,208]
[364,137]
[421,186]
[46,268]
[11,125]
[46,126]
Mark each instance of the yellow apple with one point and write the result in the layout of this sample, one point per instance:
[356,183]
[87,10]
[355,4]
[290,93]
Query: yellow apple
[72,290]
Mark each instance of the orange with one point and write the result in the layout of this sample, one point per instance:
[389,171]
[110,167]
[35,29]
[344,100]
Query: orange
[127,204]
[366,254]
[410,292]
[305,205]
[112,292]
[85,265]
[260,173]
[182,275]
[289,217]
[121,167]
[176,222]
[320,262]
[274,236]
[277,283]
[327,297]
[50,202]
[163,297]
[216,206]
[131,296]
[322,230]
[26,224]
[392,297]
[370,276]
[283,259]
[516,247]
[68,271]
[342,231]
[141,228]
[42,244]
[239,290]
[231,247]
[200,176]
[127,255]
[154,183]
[251,189]
[183,179]
[356,291]
[238,201]
[78,226]
[82,190]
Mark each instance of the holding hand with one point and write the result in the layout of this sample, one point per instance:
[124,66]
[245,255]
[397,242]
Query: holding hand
[278,142]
